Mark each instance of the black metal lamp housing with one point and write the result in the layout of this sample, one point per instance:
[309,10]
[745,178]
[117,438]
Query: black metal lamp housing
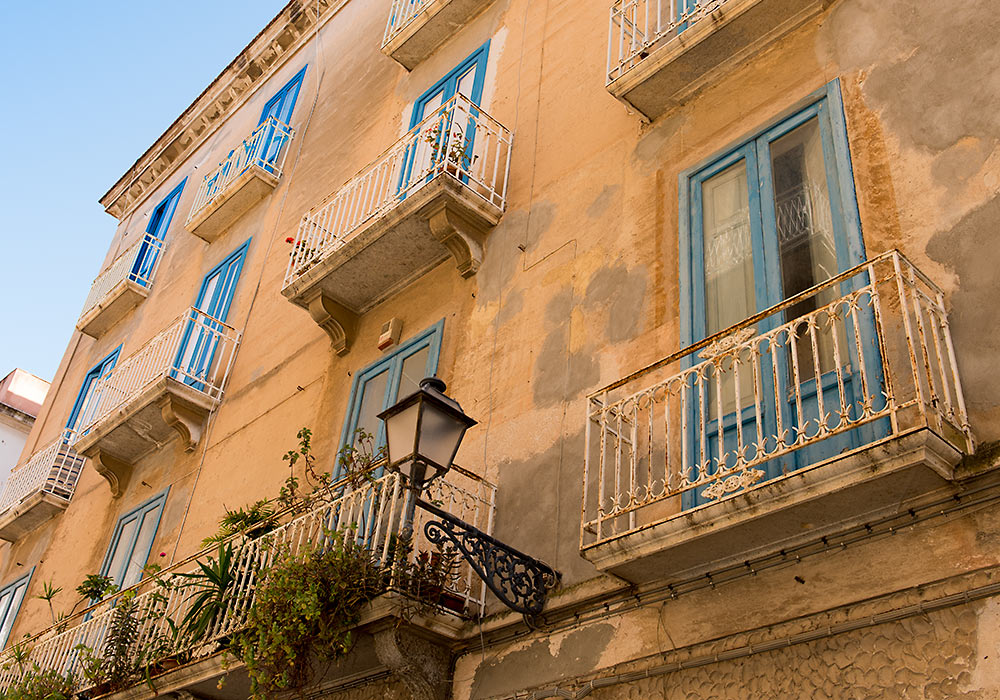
[424,431]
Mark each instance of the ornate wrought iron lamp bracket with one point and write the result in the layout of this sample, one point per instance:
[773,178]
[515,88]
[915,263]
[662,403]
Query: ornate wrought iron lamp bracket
[520,582]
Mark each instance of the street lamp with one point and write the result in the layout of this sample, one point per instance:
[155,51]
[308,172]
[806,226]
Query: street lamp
[423,434]
[423,431]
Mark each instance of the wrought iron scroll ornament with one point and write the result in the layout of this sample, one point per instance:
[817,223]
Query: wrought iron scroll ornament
[520,582]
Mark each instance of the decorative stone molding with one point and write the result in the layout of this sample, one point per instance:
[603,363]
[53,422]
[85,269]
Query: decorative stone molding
[250,68]
[337,320]
[420,664]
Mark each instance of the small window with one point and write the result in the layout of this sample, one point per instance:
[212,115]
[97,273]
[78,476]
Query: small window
[11,597]
[85,408]
[382,383]
[131,542]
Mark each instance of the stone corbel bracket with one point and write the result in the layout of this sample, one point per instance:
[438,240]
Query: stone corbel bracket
[339,322]
[423,666]
[464,239]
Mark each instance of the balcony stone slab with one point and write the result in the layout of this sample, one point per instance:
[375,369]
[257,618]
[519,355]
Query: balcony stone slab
[27,515]
[436,22]
[162,411]
[238,197]
[804,505]
[677,66]
[125,296]
[416,646]
[391,250]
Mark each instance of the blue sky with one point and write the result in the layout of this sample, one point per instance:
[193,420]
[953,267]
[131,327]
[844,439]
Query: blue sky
[87,87]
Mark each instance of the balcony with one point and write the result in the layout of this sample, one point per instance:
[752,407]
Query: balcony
[662,51]
[417,27]
[437,191]
[39,490]
[121,287]
[246,176]
[371,511]
[838,405]
[166,388]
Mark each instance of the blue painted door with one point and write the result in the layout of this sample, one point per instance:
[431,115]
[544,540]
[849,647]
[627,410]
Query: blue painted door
[131,542]
[88,399]
[466,79]
[201,337]
[384,382]
[159,222]
[766,224]
[280,107]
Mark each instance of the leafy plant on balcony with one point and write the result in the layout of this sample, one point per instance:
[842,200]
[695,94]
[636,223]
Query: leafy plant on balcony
[34,683]
[448,145]
[306,604]
[211,590]
[255,520]
[94,588]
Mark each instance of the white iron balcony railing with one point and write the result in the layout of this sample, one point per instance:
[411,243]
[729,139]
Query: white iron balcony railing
[195,349]
[402,13]
[137,264]
[459,140]
[54,470]
[265,148]
[865,357]
[372,513]
[636,25]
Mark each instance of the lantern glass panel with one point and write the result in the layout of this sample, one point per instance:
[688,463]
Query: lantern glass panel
[401,431]
[440,434]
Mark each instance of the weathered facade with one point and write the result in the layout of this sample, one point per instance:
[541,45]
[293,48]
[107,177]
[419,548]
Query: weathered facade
[613,235]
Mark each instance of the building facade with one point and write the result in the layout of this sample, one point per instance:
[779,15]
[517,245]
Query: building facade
[715,278]
[21,397]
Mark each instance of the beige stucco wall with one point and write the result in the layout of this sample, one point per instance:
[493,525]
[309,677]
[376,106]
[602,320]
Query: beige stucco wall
[579,286]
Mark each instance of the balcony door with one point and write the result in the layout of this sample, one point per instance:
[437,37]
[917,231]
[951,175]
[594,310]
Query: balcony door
[87,405]
[156,232]
[436,137]
[767,222]
[202,331]
[280,106]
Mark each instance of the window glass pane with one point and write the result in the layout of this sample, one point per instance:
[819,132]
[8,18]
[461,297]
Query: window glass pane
[466,81]
[140,552]
[8,621]
[372,400]
[729,279]
[414,369]
[116,569]
[803,219]
[729,284]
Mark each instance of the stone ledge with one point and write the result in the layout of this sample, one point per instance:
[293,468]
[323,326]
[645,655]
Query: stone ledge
[31,512]
[122,298]
[437,21]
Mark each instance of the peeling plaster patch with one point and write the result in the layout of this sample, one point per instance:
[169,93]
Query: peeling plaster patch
[513,304]
[658,137]
[604,200]
[578,654]
[560,374]
[974,314]
[954,167]
[502,257]
[542,215]
[930,103]
[622,291]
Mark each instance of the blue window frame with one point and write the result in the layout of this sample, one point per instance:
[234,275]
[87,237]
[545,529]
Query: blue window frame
[215,296]
[132,540]
[156,229]
[466,78]
[88,399]
[382,383]
[11,597]
[771,217]
[280,107]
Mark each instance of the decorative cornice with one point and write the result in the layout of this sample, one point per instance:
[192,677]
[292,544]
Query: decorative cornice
[282,35]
